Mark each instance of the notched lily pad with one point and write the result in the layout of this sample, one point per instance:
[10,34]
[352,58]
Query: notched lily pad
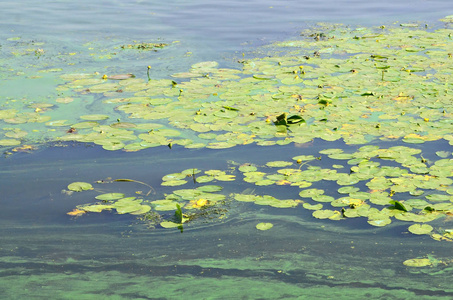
[264,226]
[420,229]
[80,186]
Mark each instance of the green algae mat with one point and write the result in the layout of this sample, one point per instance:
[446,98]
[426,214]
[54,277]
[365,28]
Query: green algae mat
[379,100]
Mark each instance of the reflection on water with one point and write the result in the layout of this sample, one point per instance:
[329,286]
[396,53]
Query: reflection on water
[47,253]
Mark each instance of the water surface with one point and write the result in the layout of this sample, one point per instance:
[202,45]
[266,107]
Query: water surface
[47,254]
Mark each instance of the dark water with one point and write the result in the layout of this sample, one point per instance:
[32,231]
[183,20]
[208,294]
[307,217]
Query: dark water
[45,254]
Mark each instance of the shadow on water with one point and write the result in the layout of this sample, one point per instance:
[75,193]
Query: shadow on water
[48,253]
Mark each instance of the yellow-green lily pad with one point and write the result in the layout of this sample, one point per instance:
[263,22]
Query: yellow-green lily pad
[80,186]
[264,226]
[420,229]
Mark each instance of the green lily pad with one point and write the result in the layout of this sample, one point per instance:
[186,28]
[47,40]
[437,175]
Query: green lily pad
[127,205]
[16,134]
[168,224]
[80,186]
[438,197]
[443,154]
[88,124]
[225,177]
[324,214]
[96,208]
[173,176]
[312,207]
[57,123]
[210,188]
[142,210]
[94,117]
[173,182]
[348,189]
[323,198]
[420,229]
[164,205]
[188,194]
[380,222]
[9,142]
[204,179]
[304,157]
[245,198]
[279,163]
[264,226]
[110,196]
[417,262]
[264,182]
[308,193]
[284,203]
[247,168]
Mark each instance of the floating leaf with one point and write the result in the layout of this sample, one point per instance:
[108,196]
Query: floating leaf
[279,163]
[164,205]
[324,214]
[312,207]
[9,142]
[323,198]
[173,182]
[210,188]
[142,210]
[348,189]
[264,226]
[304,157]
[110,196]
[247,168]
[225,177]
[168,224]
[80,186]
[308,193]
[204,179]
[443,154]
[438,197]
[76,212]
[174,176]
[380,222]
[417,262]
[96,207]
[264,182]
[94,117]
[245,198]
[420,229]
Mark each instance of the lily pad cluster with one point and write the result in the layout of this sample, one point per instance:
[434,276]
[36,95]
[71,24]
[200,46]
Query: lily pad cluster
[203,201]
[380,185]
[334,83]
[373,183]
[354,85]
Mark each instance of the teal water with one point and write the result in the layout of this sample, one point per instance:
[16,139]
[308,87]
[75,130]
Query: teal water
[46,254]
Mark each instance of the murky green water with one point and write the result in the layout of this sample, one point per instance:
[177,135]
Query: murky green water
[45,253]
